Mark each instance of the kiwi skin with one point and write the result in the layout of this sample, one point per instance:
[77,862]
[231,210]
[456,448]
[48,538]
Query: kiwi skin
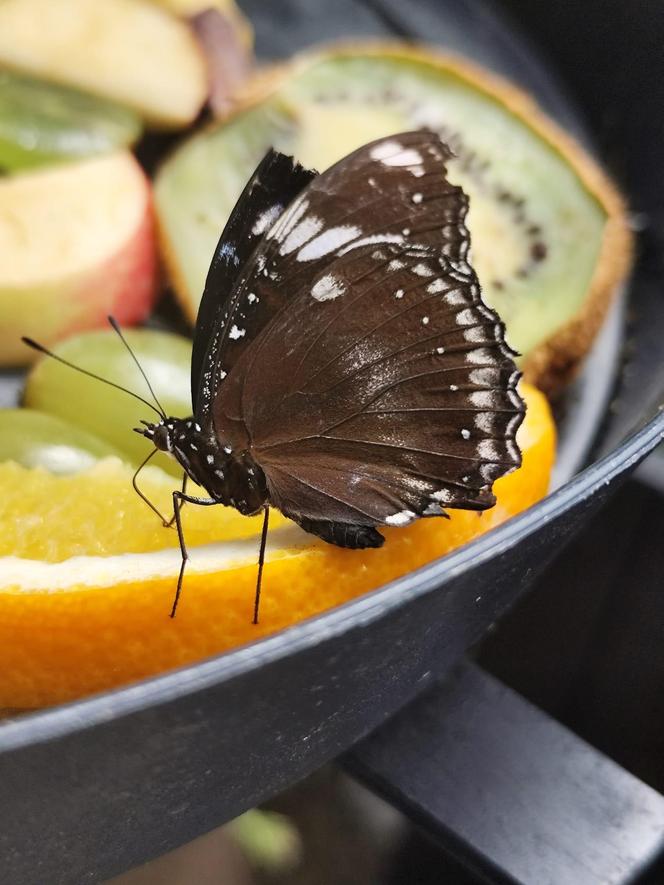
[553,363]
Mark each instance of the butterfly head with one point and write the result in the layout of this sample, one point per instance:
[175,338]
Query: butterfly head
[164,433]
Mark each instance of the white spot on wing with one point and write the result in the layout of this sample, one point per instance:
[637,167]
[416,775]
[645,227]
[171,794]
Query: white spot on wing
[425,321]
[475,336]
[395,264]
[301,234]
[236,333]
[385,149]
[391,153]
[399,293]
[403,517]
[482,398]
[433,509]
[328,288]
[435,287]
[266,219]
[480,355]
[465,317]
[416,198]
[374,239]
[487,448]
[288,220]
[422,270]
[484,422]
[329,241]
[465,433]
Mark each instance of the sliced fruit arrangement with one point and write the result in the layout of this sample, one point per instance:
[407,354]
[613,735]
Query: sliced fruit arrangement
[76,243]
[43,123]
[84,604]
[550,242]
[102,411]
[129,51]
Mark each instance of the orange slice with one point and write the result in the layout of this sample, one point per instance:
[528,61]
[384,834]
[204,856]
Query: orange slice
[87,572]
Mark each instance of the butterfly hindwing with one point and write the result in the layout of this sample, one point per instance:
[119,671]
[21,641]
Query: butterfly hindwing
[275,183]
[385,391]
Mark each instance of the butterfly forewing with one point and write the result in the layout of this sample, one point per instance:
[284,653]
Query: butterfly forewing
[229,316]
[385,391]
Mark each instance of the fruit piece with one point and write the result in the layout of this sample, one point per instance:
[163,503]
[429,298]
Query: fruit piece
[228,8]
[228,58]
[43,123]
[34,439]
[79,614]
[103,411]
[76,243]
[128,51]
[550,242]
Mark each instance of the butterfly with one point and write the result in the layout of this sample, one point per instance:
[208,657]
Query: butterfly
[345,368]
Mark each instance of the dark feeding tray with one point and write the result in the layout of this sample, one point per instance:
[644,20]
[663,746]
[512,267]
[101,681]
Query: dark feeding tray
[96,787]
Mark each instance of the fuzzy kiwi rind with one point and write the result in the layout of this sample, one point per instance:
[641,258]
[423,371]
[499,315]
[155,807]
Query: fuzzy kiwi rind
[552,363]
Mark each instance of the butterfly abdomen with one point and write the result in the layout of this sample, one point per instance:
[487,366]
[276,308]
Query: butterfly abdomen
[356,537]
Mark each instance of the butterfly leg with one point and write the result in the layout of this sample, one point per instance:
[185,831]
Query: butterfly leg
[183,491]
[179,499]
[343,534]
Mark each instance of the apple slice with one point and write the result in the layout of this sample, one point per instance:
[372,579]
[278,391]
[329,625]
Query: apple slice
[127,50]
[76,243]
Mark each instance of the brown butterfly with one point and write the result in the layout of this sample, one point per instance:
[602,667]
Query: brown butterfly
[345,368]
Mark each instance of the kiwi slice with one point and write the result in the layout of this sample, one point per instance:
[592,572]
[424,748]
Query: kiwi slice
[549,236]
[45,123]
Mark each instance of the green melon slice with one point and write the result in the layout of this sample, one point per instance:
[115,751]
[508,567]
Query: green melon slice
[549,239]
[44,123]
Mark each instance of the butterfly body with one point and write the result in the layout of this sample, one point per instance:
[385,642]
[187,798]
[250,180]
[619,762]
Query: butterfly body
[230,476]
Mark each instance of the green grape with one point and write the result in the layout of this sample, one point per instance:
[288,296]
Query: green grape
[35,439]
[108,413]
[46,123]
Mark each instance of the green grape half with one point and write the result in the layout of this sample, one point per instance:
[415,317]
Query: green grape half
[103,411]
[34,439]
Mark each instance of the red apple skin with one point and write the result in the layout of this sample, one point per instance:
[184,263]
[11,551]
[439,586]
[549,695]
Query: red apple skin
[122,283]
[126,284]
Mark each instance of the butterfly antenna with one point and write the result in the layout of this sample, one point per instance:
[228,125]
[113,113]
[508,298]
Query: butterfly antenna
[41,349]
[118,330]
[261,560]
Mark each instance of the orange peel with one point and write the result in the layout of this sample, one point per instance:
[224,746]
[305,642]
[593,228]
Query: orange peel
[87,572]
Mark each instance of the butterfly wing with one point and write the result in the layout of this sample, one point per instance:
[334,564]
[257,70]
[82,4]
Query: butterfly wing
[274,184]
[385,391]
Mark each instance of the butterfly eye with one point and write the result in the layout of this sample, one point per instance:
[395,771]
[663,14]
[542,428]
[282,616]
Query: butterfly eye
[162,438]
